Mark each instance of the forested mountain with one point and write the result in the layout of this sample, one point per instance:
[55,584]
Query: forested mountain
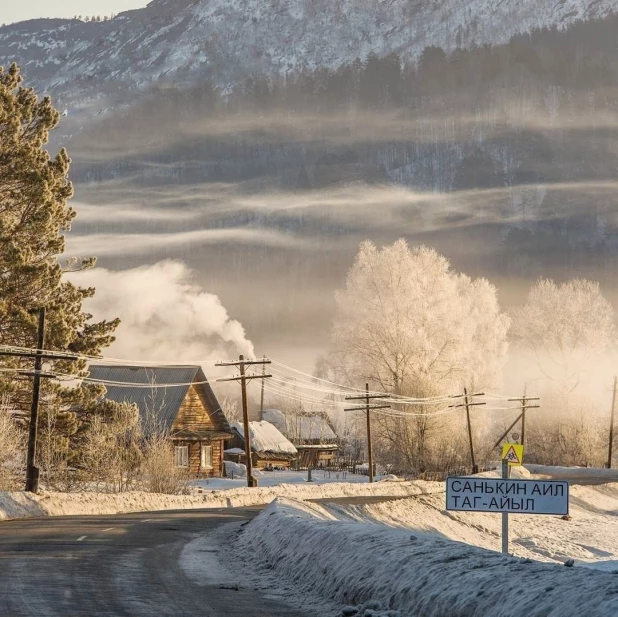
[184,41]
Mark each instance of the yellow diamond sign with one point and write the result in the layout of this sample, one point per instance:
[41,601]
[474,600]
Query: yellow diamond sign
[513,453]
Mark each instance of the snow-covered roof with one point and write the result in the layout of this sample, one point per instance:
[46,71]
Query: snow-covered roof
[265,437]
[301,428]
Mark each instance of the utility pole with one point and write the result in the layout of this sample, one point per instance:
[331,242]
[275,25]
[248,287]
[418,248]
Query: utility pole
[243,378]
[467,404]
[611,426]
[524,401]
[262,392]
[367,408]
[506,473]
[32,471]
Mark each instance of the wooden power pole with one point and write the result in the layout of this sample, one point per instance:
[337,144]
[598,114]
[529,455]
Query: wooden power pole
[367,408]
[524,406]
[475,468]
[32,471]
[243,378]
[262,390]
[611,426]
[467,404]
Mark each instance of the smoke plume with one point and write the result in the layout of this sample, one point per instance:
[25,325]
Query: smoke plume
[165,315]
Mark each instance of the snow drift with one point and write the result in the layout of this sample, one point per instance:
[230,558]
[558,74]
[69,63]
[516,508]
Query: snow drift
[418,573]
[23,505]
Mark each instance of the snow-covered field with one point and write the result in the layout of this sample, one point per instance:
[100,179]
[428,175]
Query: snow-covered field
[412,556]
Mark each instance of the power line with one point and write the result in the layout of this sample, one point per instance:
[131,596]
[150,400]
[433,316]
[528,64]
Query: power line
[352,389]
[394,399]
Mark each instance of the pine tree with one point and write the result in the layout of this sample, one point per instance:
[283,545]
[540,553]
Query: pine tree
[34,191]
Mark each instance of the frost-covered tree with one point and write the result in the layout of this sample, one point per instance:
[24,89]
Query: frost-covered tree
[563,337]
[410,325]
[561,327]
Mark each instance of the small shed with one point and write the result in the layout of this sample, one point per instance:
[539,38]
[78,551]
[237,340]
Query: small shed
[178,401]
[311,433]
[268,446]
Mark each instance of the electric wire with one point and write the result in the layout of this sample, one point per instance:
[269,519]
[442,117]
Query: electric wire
[283,384]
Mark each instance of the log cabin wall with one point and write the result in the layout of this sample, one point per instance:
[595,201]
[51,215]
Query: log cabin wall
[260,463]
[195,448]
[195,415]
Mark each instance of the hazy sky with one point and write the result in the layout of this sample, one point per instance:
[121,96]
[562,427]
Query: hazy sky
[19,11]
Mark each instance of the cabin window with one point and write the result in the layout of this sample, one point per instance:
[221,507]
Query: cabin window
[206,460]
[182,456]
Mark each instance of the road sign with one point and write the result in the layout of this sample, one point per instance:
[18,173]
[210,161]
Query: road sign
[513,454]
[511,495]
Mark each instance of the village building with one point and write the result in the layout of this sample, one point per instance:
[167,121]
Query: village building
[311,433]
[178,401]
[269,448]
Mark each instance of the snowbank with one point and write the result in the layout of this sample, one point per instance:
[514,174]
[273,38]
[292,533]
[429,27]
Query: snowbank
[416,573]
[590,536]
[235,470]
[23,505]
[575,473]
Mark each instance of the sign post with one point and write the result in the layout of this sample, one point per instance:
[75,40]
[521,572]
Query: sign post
[512,495]
[506,472]
[507,496]
[513,454]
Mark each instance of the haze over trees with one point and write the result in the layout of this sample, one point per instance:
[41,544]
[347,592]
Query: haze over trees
[409,325]
[565,335]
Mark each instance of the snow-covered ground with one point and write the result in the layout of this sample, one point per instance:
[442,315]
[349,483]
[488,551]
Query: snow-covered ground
[583,474]
[410,556]
[275,478]
[22,505]
[589,537]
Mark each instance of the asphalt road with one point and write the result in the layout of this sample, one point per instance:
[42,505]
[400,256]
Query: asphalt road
[123,565]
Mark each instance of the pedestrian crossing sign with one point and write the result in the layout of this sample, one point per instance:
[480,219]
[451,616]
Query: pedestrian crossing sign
[513,453]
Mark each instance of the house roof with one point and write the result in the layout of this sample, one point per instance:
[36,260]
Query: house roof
[302,428]
[145,387]
[265,438]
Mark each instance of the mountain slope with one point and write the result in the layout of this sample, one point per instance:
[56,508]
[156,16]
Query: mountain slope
[184,41]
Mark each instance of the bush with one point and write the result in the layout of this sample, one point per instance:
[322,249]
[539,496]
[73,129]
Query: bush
[159,473]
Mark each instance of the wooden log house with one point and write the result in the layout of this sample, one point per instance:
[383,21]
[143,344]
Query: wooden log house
[189,413]
[311,433]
